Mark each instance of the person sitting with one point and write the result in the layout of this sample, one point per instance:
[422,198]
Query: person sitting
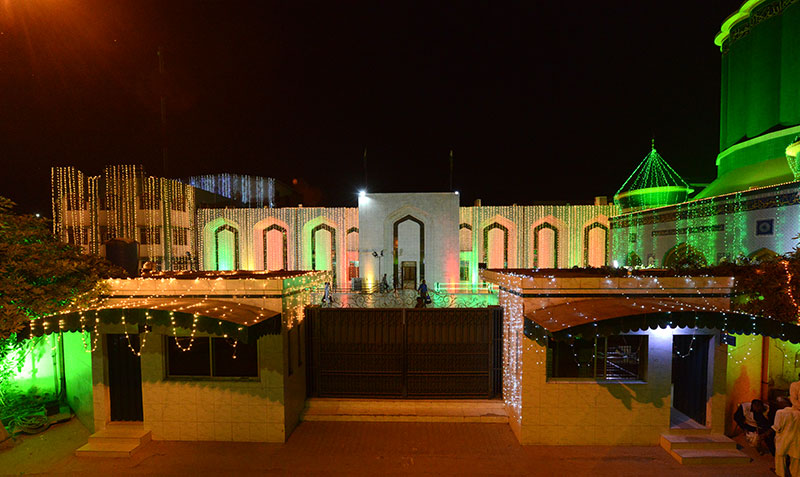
[752,418]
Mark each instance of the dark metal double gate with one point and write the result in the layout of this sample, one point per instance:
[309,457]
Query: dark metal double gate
[404,353]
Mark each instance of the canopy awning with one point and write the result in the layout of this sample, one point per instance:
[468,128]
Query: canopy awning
[243,322]
[610,316]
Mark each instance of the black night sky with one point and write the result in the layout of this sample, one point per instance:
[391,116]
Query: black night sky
[540,101]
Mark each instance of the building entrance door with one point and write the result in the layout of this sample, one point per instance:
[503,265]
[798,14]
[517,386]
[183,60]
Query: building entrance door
[124,378]
[409,271]
[690,376]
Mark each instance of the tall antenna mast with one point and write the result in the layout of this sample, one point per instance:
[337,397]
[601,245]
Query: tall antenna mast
[366,178]
[163,88]
[451,170]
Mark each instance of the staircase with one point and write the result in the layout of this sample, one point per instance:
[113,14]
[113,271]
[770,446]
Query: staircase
[702,448]
[118,439]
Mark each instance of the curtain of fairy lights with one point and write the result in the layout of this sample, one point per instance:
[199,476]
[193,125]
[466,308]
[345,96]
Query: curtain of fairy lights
[288,241]
[123,202]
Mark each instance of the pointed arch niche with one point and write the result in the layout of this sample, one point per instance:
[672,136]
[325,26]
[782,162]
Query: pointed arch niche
[595,243]
[548,242]
[321,246]
[683,253]
[465,237]
[499,244]
[351,252]
[271,244]
[396,248]
[223,252]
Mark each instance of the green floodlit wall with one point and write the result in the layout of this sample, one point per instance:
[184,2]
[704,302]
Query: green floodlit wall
[784,364]
[39,373]
[760,74]
[78,372]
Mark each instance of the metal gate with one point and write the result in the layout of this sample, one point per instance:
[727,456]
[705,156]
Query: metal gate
[404,353]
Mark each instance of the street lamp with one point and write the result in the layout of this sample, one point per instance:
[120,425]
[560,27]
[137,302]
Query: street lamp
[379,257]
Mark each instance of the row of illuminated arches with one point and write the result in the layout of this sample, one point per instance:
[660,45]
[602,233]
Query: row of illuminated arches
[497,244]
[684,254]
[276,245]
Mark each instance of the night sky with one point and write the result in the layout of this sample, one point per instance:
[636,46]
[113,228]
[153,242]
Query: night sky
[540,101]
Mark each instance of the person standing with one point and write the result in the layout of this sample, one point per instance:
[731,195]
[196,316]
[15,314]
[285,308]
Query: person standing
[794,394]
[423,292]
[384,287]
[787,442]
[326,295]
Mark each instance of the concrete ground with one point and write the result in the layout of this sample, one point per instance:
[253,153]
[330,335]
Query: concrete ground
[359,448]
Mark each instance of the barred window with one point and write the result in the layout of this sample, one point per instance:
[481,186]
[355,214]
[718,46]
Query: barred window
[150,235]
[180,236]
[178,202]
[612,358]
[107,233]
[77,235]
[211,357]
[150,201]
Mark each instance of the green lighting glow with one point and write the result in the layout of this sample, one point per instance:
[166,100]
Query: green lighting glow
[652,184]
[227,251]
[29,367]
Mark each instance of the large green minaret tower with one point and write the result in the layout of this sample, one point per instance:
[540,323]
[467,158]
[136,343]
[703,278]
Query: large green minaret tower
[760,101]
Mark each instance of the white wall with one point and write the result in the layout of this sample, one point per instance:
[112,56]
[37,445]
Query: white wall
[439,213]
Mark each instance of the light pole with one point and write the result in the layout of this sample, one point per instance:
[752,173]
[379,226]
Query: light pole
[379,257]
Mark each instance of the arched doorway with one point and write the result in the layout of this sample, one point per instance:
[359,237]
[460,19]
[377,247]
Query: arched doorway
[405,271]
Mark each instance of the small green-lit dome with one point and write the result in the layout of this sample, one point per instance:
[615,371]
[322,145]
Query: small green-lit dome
[653,184]
[793,157]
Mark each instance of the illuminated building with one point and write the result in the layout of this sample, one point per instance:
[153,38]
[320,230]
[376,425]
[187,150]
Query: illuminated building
[752,208]
[648,321]
[227,222]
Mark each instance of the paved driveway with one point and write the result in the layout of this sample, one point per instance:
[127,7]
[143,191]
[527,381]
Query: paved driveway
[359,448]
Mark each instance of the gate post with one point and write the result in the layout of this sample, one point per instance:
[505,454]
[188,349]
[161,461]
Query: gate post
[405,354]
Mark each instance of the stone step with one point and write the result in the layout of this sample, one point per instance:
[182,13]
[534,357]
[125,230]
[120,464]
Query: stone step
[405,410]
[402,418]
[137,434]
[696,441]
[690,431]
[106,449]
[118,439]
[710,456]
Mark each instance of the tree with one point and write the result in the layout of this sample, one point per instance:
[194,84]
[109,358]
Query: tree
[39,275]
[769,287]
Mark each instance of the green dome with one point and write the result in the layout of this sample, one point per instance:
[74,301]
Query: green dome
[653,184]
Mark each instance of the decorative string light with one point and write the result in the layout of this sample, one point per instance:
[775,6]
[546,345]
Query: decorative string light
[789,288]
[125,203]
